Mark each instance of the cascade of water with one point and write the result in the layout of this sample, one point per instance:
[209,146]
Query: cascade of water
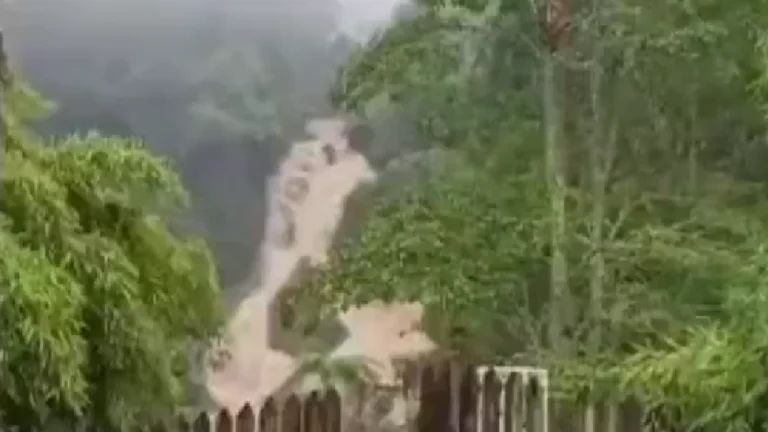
[307,199]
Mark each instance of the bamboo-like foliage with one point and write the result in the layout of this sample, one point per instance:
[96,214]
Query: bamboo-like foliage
[99,298]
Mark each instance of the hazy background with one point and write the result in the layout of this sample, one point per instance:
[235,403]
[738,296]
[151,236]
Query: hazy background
[220,86]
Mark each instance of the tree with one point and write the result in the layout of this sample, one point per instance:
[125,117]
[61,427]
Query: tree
[666,226]
[100,300]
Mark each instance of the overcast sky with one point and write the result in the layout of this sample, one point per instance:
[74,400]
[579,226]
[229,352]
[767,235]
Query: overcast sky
[359,16]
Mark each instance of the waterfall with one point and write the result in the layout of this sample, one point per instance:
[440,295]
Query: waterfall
[306,204]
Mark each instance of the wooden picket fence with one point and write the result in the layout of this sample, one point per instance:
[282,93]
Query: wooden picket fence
[318,412]
[460,398]
[451,398]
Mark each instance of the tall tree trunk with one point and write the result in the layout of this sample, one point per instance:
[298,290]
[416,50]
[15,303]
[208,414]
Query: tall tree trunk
[557,27]
[554,141]
[4,81]
[602,150]
[599,154]
[597,182]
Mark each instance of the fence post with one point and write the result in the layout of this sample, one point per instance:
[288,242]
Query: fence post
[515,401]
[491,401]
[332,407]
[536,403]
[468,397]
[268,416]
[480,409]
[245,420]
[224,421]
[411,382]
[202,423]
[291,415]
[312,412]
[424,419]
[503,376]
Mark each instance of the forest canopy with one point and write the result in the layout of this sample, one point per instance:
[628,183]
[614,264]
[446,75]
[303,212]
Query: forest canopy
[599,210]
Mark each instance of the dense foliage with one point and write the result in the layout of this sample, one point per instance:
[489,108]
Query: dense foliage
[602,207]
[599,209]
[100,301]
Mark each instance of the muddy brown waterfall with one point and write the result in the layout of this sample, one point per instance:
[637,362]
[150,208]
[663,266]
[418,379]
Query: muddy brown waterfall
[306,203]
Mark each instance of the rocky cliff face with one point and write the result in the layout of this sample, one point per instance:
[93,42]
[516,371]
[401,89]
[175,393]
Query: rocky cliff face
[306,205]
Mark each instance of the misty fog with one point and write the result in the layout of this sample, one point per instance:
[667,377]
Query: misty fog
[219,86]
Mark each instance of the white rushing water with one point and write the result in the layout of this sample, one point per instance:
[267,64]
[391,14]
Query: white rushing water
[307,202]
